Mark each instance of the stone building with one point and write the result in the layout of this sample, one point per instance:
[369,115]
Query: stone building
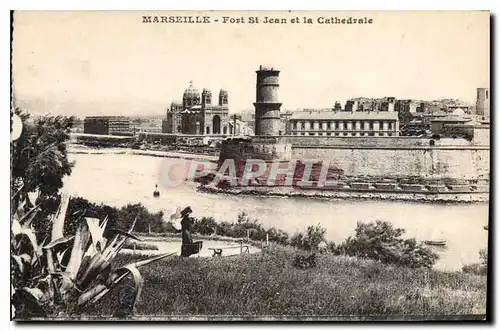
[239,127]
[197,115]
[107,125]
[406,110]
[342,123]
[267,106]
[483,103]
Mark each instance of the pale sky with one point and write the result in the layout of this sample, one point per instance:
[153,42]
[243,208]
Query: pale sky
[83,63]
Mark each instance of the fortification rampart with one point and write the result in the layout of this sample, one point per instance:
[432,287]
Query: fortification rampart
[385,159]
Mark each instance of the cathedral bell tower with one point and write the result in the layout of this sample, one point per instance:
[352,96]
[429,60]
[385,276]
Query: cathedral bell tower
[206,97]
[223,98]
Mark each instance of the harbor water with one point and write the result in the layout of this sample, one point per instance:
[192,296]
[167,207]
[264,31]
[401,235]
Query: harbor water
[120,179]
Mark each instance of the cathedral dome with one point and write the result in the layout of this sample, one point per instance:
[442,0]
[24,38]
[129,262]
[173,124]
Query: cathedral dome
[191,92]
[458,112]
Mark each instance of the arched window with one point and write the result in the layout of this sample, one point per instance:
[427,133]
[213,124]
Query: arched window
[207,130]
[224,130]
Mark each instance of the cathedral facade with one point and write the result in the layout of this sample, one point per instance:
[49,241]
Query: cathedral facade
[197,115]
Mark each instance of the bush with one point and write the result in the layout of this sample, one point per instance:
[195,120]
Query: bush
[243,226]
[279,236]
[168,227]
[382,242]
[117,218]
[483,255]
[145,219]
[478,268]
[475,269]
[332,248]
[205,226]
[310,240]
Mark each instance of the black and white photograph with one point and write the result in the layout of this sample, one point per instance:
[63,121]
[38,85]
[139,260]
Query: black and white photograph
[250,165]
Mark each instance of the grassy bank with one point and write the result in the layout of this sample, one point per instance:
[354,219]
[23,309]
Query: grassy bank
[267,284]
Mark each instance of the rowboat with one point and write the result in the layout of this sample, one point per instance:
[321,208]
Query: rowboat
[437,239]
[441,242]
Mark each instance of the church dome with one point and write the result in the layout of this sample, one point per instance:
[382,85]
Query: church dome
[458,112]
[191,92]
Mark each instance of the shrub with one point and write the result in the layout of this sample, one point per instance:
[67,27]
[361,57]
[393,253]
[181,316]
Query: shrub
[224,229]
[332,248]
[483,255]
[475,269]
[382,242]
[478,268]
[310,240]
[145,219]
[168,227]
[277,235]
[205,226]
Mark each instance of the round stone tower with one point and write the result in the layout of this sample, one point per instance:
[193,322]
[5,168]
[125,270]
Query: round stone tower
[267,107]
[483,102]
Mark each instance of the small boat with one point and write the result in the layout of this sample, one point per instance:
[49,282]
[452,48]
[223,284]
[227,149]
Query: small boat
[485,227]
[437,239]
[441,242]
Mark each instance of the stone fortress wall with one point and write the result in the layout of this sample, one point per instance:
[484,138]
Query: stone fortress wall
[442,165]
[398,157]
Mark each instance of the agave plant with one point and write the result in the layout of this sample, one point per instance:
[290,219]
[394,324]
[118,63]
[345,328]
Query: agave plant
[65,273]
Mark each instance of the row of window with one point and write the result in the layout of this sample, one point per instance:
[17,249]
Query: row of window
[352,134]
[342,125]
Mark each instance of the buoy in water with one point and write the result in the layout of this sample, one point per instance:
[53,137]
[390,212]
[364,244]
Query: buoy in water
[156,193]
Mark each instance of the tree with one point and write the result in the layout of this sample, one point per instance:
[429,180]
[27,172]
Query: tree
[382,242]
[39,162]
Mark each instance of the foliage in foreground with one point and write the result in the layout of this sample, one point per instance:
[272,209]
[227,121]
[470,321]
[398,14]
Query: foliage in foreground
[67,272]
[380,241]
[267,284]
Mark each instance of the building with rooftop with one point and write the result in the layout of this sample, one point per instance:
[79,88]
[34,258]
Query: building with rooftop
[342,123]
[107,125]
[197,114]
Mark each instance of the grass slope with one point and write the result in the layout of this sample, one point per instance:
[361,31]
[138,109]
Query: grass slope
[268,284]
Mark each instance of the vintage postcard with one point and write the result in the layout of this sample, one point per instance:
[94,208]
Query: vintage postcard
[252,165]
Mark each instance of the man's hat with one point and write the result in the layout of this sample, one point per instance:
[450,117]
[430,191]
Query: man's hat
[186,210]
